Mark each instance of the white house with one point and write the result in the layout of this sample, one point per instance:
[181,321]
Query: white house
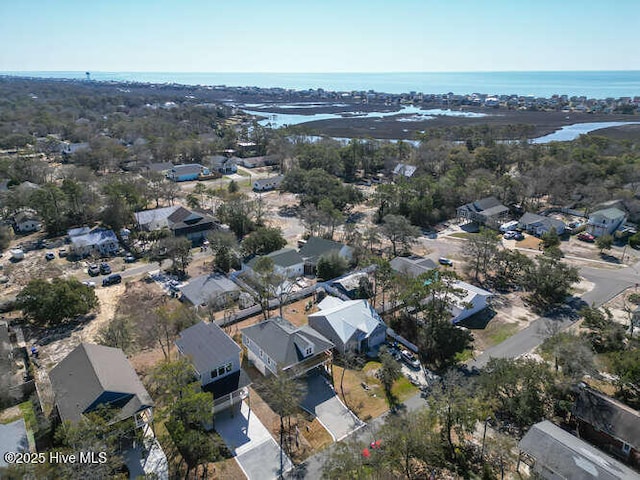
[265,184]
[99,241]
[470,301]
[26,222]
[286,262]
[607,221]
[539,225]
[351,325]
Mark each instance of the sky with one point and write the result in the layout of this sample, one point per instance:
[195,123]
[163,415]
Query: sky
[320,36]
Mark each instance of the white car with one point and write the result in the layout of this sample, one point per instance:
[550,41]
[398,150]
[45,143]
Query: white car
[89,284]
[510,235]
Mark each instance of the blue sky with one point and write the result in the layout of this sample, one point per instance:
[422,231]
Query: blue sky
[322,36]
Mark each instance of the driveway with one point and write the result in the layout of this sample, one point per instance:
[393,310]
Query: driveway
[255,450]
[321,400]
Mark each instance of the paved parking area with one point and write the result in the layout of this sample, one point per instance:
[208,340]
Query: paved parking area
[255,450]
[321,400]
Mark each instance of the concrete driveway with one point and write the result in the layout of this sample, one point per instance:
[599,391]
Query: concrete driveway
[321,400]
[255,450]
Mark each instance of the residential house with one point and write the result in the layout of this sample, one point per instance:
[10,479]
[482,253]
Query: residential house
[286,262]
[487,211]
[179,220]
[412,266]
[159,167]
[215,357]
[254,162]
[352,325]
[553,454]
[469,301]
[99,241]
[404,170]
[205,289]
[538,225]
[266,184]
[187,172]
[608,424]
[222,164]
[607,221]
[316,247]
[94,375]
[350,285]
[276,345]
[26,222]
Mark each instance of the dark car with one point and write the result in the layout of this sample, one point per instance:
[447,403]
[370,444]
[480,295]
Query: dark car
[105,269]
[445,261]
[129,258]
[49,255]
[111,280]
[93,270]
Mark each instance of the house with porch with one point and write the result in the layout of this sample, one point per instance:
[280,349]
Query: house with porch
[181,221]
[539,225]
[608,424]
[352,325]
[26,222]
[215,358]
[99,241]
[316,247]
[607,221]
[212,288]
[487,211]
[222,164]
[276,345]
[287,263]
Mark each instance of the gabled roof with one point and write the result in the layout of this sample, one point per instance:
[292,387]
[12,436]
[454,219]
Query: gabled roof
[488,206]
[316,247]
[285,257]
[566,456]
[206,345]
[412,266]
[285,343]
[608,415]
[276,181]
[609,213]
[174,218]
[187,169]
[200,290]
[404,169]
[90,371]
[155,218]
[352,317]
[534,219]
[94,237]
[25,216]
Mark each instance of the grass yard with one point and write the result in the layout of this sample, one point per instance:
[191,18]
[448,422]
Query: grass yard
[464,235]
[495,333]
[371,403]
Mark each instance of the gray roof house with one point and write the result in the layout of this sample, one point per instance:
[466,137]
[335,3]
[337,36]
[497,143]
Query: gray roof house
[402,169]
[287,262]
[487,211]
[352,325]
[201,290]
[179,220]
[607,221]
[216,360]
[539,225]
[553,454]
[316,247]
[277,345]
[222,164]
[99,241]
[265,184]
[412,266]
[93,375]
[26,222]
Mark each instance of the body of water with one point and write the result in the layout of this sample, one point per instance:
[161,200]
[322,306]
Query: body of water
[571,132]
[592,84]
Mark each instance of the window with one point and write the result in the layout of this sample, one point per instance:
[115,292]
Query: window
[221,370]
[228,367]
[214,373]
[626,448]
[261,354]
[308,351]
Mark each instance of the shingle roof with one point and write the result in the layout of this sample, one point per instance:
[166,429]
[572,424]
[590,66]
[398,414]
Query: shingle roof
[610,213]
[608,415]
[566,456]
[276,181]
[95,237]
[206,345]
[91,370]
[187,169]
[284,342]
[317,247]
[412,266]
[533,218]
[488,206]
[350,317]
[404,169]
[25,216]
[200,290]
[285,257]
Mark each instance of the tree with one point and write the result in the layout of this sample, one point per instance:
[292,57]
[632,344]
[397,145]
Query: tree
[233,186]
[178,250]
[480,251]
[509,269]
[165,325]
[389,372]
[634,240]
[263,241]
[549,280]
[399,231]
[224,247]
[50,203]
[626,367]
[331,265]
[551,239]
[49,303]
[440,341]
[605,334]
[239,214]
[118,334]
[264,283]
[604,242]
[572,354]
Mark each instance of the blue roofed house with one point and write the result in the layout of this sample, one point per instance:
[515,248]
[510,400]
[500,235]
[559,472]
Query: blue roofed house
[352,325]
[187,172]
[276,345]
[215,358]
[607,221]
[99,241]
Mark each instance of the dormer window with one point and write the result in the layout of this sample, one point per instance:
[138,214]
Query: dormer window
[309,351]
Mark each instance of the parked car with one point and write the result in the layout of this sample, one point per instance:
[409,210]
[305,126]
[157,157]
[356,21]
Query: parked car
[510,235]
[586,237]
[105,269]
[111,280]
[445,261]
[129,258]
[93,270]
[410,359]
[518,236]
[49,256]
[89,284]
[62,252]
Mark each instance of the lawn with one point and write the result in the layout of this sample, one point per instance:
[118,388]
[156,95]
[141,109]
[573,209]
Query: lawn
[460,235]
[494,333]
[368,403]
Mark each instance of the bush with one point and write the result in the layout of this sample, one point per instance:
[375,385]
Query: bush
[634,241]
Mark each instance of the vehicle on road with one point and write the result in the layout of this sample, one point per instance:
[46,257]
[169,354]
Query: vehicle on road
[105,269]
[586,237]
[49,256]
[111,280]
[93,270]
[445,261]
[410,359]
